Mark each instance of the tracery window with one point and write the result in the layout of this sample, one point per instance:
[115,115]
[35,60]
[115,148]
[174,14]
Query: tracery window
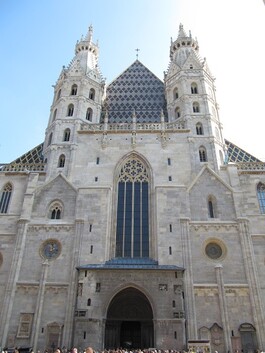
[74,90]
[66,135]
[196,107]
[132,232]
[61,161]
[194,88]
[199,129]
[202,154]
[261,197]
[92,94]
[89,114]
[5,198]
[55,211]
[70,111]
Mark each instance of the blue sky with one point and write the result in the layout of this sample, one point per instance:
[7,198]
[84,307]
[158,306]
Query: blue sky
[39,37]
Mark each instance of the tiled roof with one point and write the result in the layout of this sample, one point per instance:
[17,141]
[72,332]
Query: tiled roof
[238,155]
[136,89]
[32,156]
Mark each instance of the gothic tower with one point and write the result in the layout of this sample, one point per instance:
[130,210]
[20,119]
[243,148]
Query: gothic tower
[190,93]
[78,95]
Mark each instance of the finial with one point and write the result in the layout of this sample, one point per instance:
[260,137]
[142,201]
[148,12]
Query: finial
[182,33]
[89,34]
[137,50]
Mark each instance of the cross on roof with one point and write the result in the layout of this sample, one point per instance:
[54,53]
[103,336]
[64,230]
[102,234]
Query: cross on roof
[137,50]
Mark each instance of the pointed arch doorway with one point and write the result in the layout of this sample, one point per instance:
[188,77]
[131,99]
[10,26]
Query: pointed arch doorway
[129,321]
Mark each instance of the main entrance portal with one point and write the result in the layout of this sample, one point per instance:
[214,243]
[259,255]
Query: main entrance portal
[129,321]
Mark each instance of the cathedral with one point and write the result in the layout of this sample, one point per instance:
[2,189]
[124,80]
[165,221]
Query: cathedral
[135,223]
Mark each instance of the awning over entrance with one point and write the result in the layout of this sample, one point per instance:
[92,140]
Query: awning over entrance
[131,263]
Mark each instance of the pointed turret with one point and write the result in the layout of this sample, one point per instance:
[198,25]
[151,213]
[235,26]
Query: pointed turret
[181,48]
[87,53]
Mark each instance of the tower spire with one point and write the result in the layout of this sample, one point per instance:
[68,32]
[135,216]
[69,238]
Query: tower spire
[182,46]
[89,35]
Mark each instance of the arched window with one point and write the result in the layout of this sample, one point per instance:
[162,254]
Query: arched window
[89,114]
[88,302]
[59,94]
[70,110]
[132,226]
[74,90]
[66,135]
[92,94]
[5,197]
[177,112]
[50,139]
[196,107]
[61,161]
[199,129]
[54,115]
[175,93]
[202,154]
[194,88]
[56,210]
[211,202]
[261,197]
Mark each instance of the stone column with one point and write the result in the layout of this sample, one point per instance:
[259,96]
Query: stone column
[12,280]
[72,289]
[223,307]
[188,281]
[253,284]
[39,306]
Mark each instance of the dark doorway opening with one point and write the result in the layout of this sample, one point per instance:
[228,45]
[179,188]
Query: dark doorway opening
[129,321]
[130,334]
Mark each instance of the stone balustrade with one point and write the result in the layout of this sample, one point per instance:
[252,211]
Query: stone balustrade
[118,127]
[21,167]
[251,167]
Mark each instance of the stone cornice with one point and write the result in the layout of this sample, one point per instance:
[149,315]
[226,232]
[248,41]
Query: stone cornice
[209,226]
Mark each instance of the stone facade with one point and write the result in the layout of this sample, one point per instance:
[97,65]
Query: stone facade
[138,232]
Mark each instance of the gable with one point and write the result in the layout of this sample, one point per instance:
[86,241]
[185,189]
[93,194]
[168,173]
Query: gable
[136,89]
[192,60]
[57,189]
[209,184]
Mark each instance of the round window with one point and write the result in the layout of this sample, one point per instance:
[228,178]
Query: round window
[50,249]
[213,251]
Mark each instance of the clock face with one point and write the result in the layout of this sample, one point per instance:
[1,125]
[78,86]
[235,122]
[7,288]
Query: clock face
[50,249]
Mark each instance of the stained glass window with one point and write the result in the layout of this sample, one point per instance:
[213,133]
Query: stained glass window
[132,230]
[261,197]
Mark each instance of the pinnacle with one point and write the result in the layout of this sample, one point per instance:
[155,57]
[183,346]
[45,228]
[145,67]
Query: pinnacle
[182,32]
